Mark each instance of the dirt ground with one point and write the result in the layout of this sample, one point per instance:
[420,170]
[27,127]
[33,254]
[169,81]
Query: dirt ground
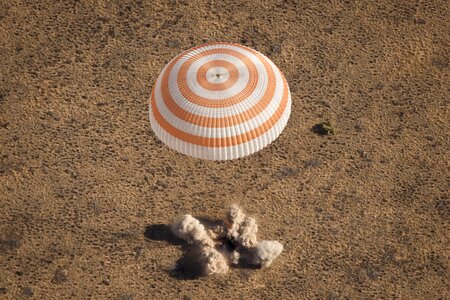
[86,189]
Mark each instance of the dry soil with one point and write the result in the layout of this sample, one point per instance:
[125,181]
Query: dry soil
[86,189]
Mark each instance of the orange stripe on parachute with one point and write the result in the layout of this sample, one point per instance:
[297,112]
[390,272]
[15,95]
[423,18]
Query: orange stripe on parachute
[228,141]
[203,121]
[232,79]
[202,101]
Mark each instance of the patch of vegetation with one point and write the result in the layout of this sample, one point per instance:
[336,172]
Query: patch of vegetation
[324,128]
[285,172]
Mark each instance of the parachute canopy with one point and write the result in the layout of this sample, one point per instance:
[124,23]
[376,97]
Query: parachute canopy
[219,101]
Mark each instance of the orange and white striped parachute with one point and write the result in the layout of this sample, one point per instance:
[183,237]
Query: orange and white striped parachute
[219,101]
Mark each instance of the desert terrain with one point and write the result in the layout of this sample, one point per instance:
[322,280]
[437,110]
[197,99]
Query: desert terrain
[87,191]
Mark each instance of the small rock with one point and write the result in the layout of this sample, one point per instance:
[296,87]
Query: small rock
[106,281]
